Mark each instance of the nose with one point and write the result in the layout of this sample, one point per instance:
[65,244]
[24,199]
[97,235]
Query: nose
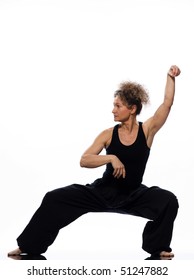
[113,110]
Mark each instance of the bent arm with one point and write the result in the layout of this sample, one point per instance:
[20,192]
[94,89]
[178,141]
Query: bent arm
[153,124]
[91,157]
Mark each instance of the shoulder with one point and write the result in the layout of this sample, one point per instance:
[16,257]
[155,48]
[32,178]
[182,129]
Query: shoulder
[107,132]
[105,136]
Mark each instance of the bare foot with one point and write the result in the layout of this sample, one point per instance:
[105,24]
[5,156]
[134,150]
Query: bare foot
[15,257]
[166,254]
[15,252]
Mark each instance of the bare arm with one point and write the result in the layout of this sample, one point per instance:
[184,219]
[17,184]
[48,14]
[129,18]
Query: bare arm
[153,124]
[91,158]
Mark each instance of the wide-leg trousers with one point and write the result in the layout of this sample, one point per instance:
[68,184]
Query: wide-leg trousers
[62,206]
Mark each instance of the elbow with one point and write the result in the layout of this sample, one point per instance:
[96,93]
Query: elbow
[85,161]
[82,161]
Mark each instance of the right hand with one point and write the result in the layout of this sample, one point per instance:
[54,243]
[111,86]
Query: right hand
[119,168]
[174,71]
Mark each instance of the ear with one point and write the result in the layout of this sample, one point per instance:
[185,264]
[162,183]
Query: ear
[133,109]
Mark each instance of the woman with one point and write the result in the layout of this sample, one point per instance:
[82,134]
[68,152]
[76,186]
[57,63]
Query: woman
[120,189]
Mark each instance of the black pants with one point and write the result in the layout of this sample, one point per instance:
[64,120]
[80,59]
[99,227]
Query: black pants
[62,206]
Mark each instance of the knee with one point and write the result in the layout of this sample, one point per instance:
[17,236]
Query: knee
[169,205]
[60,194]
[168,202]
[47,198]
[173,202]
[169,198]
[51,196]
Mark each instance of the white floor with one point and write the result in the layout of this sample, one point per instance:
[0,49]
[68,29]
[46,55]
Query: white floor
[104,236]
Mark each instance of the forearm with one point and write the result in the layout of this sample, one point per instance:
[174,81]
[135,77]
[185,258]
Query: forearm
[92,161]
[159,118]
[169,91]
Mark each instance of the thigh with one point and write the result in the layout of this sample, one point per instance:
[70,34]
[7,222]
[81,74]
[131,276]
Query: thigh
[76,196]
[151,203]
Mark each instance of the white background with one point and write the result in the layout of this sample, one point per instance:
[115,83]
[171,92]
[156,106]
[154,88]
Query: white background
[60,63]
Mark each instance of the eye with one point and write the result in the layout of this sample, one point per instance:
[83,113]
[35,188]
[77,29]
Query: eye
[117,105]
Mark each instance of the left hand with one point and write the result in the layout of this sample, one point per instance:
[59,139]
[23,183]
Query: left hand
[174,71]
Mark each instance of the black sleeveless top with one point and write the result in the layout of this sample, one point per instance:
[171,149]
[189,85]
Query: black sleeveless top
[134,157]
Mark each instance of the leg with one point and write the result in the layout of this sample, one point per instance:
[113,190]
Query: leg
[160,207]
[58,209]
[157,233]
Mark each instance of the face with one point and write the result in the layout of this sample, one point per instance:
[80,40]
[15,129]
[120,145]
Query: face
[120,111]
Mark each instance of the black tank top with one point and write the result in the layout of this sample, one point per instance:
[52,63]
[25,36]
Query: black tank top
[134,157]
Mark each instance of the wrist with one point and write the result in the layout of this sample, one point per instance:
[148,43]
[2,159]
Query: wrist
[111,158]
[170,75]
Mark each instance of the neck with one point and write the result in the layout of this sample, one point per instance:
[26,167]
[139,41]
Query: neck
[129,125]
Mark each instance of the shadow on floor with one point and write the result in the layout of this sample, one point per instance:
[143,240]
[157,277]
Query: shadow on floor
[27,257]
[157,257]
[41,257]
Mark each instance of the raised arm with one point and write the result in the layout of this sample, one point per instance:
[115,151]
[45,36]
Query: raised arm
[153,124]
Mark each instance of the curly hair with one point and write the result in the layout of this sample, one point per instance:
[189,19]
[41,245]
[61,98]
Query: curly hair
[132,93]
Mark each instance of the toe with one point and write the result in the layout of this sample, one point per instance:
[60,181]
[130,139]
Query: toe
[166,254]
[15,252]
